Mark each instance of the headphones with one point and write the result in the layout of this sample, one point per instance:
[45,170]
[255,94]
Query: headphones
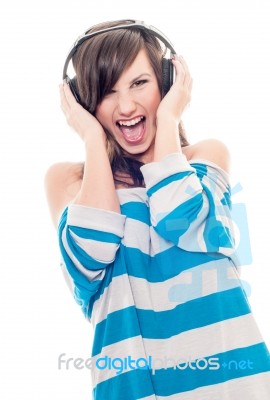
[167,66]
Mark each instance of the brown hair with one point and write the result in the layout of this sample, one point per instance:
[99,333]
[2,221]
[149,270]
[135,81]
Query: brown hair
[99,63]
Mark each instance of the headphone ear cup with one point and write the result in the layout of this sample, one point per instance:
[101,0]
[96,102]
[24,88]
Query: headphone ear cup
[167,75]
[74,89]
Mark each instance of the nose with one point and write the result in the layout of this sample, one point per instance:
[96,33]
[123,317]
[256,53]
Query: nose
[126,104]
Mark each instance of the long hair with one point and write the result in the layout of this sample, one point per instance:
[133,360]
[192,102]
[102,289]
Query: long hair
[99,63]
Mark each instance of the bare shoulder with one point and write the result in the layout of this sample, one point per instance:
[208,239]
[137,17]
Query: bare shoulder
[62,183]
[211,150]
[63,173]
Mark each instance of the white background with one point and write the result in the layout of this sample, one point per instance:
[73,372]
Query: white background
[226,45]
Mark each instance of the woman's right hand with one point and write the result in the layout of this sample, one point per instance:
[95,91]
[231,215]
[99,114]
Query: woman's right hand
[84,123]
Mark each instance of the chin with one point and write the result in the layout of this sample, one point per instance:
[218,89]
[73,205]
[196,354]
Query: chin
[141,152]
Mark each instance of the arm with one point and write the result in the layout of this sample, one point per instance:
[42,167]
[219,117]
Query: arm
[169,114]
[189,207]
[91,226]
[88,237]
[97,189]
[190,203]
[170,111]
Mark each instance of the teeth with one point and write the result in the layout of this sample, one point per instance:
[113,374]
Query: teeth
[131,122]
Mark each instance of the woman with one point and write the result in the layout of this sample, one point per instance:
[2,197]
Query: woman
[146,235]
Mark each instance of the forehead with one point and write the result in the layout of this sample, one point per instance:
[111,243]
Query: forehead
[140,65]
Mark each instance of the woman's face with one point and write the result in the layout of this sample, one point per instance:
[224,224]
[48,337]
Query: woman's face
[128,112]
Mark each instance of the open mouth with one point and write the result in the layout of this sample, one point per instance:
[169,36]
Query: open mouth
[132,130]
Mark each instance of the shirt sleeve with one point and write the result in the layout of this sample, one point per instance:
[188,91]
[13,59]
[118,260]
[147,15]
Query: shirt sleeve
[190,204]
[89,239]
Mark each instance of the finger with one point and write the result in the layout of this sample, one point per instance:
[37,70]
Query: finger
[190,84]
[182,73]
[183,62]
[179,68]
[189,90]
[63,101]
[182,69]
[188,80]
[63,96]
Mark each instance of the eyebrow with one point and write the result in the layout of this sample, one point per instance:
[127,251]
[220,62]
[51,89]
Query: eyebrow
[140,76]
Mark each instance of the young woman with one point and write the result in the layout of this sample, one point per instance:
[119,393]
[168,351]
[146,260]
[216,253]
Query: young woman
[146,234]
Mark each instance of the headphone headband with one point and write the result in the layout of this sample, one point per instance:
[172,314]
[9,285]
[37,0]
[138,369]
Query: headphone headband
[134,24]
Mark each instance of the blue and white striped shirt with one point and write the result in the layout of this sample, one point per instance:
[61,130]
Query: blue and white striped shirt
[159,283]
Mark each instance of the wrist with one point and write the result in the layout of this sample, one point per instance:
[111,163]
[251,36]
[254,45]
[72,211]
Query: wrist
[167,115]
[167,126]
[95,138]
[167,139]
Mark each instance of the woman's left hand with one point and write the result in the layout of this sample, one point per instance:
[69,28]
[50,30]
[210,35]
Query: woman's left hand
[178,97]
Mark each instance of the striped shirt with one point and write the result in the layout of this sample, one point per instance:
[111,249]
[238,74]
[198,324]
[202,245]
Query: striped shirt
[160,284]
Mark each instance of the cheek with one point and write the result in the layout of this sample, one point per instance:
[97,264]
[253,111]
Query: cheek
[102,114]
[155,100]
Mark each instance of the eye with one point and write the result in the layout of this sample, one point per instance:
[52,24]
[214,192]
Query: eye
[140,82]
